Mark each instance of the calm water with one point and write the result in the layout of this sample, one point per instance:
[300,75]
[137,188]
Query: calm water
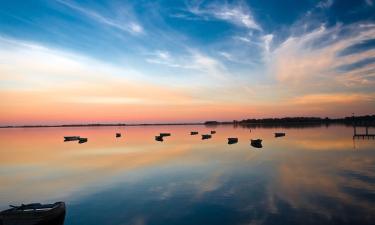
[311,176]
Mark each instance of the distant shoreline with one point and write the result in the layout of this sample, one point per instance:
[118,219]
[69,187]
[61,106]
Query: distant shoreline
[102,125]
[368,120]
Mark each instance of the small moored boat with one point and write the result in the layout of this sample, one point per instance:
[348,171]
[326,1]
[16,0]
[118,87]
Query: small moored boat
[34,214]
[159,138]
[206,136]
[257,143]
[213,132]
[71,138]
[194,133]
[279,134]
[232,140]
[118,135]
[165,134]
[82,140]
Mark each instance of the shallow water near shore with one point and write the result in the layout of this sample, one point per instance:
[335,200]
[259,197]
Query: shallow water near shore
[316,175]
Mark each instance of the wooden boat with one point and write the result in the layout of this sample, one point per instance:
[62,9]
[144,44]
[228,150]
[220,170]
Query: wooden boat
[71,138]
[34,214]
[232,140]
[280,134]
[82,140]
[159,138]
[194,133]
[257,143]
[165,134]
[206,136]
[213,132]
[118,135]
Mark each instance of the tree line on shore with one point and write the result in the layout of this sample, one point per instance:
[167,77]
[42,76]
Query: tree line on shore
[350,120]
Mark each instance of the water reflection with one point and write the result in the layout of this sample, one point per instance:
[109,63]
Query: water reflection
[310,176]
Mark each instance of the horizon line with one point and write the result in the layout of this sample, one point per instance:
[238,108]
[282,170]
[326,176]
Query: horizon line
[161,124]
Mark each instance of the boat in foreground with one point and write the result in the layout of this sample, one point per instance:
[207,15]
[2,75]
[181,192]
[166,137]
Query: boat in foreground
[118,135]
[34,214]
[256,143]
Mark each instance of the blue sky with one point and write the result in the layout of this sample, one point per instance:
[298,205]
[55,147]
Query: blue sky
[248,55]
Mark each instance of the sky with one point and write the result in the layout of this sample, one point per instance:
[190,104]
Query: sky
[66,61]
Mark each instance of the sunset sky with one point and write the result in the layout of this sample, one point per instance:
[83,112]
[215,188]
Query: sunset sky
[65,61]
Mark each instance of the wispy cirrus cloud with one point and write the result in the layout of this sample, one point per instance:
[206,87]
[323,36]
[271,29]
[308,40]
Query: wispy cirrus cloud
[192,60]
[325,4]
[317,55]
[335,98]
[267,39]
[130,25]
[239,15]
[226,55]
[369,2]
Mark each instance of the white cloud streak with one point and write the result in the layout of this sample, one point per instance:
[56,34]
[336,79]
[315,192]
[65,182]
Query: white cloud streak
[131,27]
[239,15]
[299,61]
[194,60]
[267,42]
[325,4]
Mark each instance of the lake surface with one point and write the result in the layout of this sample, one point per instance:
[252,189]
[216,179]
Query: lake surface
[315,175]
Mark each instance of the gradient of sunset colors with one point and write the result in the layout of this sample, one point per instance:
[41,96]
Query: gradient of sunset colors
[66,61]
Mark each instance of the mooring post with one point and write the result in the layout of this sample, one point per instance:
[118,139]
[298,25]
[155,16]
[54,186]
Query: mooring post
[354,128]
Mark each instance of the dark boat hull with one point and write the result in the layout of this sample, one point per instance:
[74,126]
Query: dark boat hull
[71,138]
[159,138]
[206,136]
[82,140]
[257,143]
[232,140]
[165,134]
[54,216]
[279,134]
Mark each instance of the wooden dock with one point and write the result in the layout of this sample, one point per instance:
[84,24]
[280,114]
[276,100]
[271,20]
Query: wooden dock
[365,135]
